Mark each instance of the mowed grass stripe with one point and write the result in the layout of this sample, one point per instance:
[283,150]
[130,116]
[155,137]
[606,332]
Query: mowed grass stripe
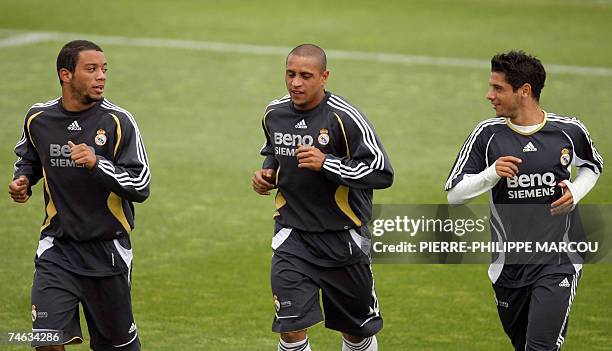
[32,37]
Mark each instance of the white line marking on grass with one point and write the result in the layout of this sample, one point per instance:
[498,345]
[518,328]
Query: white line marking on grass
[19,38]
[26,39]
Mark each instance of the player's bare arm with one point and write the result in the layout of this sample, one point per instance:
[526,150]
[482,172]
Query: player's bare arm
[18,189]
[263,181]
[507,166]
[310,157]
[82,155]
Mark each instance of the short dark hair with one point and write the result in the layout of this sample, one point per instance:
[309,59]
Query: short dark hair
[310,50]
[69,54]
[520,68]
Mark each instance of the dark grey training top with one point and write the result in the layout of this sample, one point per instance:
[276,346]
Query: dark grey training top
[547,154]
[339,197]
[85,210]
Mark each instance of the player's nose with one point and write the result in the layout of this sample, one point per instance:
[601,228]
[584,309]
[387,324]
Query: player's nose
[101,75]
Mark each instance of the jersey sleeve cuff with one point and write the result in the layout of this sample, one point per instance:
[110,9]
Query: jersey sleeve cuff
[491,175]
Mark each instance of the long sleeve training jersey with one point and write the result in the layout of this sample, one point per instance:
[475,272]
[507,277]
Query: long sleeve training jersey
[340,196]
[85,210]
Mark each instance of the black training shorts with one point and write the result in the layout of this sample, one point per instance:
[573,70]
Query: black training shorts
[56,294]
[535,317]
[348,296]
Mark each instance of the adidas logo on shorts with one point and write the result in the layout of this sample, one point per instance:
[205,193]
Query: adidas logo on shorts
[565,283]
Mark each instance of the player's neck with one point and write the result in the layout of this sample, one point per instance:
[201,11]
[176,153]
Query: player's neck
[73,103]
[530,115]
[312,104]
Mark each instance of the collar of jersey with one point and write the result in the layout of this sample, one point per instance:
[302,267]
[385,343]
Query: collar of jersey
[78,113]
[322,103]
[511,126]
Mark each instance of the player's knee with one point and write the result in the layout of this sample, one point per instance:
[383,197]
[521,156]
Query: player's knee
[295,336]
[352,338]
[51,348]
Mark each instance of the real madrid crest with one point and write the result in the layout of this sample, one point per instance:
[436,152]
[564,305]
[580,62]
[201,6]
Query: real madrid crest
[323,136]
[565,157]
[100,137]
[33,313]
[277,304]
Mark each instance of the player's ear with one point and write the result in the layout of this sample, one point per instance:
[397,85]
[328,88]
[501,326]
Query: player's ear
[324,76]
[525,90]
[65,75]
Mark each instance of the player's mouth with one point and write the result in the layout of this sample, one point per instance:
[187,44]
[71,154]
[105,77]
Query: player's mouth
[297,93]
[98,89]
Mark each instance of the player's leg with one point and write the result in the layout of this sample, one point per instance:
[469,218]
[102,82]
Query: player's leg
[551,301]
[55,306]
[295,336]
[513,310]
[296,301]
[294,341]
[51,348]
[108,310]
[355,343]
[351,305]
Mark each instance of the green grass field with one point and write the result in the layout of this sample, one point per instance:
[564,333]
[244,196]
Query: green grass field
[202,242]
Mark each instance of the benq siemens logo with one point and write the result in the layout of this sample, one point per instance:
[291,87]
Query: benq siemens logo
[286,143]
[60,156]
[531,185]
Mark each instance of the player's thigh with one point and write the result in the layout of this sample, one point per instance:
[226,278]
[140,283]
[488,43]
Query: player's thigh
[296,294]
[350,301]
[108,309]
[55,303]
[513,310]
[550,306]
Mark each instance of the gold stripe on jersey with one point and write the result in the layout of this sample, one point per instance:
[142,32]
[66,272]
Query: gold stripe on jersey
[115,205]
[533,132]
[348,152]
[30,122]
[118,135]
[276,176]
[341,197]
[279,199]
[280,202]
[51,211]
[264,120]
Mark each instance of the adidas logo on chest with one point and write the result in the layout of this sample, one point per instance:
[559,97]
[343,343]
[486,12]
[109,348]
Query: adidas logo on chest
[301,125]
[74,126]
[530,147]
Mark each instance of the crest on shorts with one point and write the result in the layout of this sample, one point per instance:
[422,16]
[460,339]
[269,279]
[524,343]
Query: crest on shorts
[323,138]
[277,304]
[100,138]
[565,157]
[33,313]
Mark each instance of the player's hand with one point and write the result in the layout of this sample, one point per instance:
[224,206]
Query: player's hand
[18,189]
[82,155]
[507,166]
[263,181]
[565,203]
[310,157]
